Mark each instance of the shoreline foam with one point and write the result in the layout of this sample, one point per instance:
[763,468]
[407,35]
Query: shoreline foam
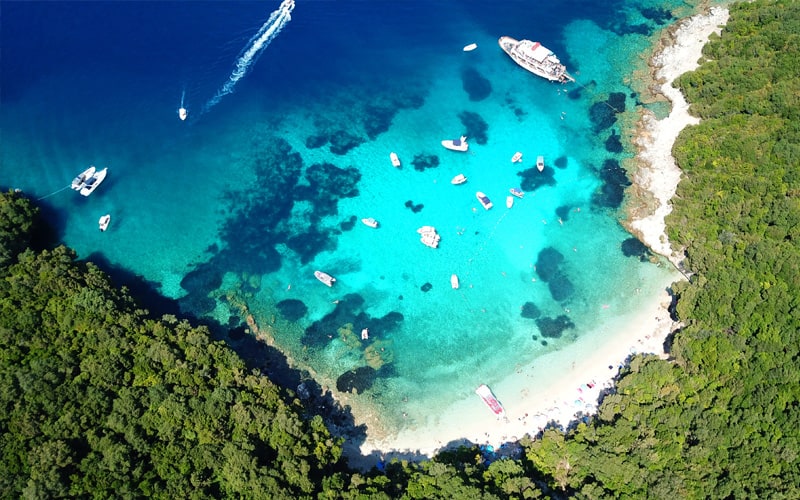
[529,410]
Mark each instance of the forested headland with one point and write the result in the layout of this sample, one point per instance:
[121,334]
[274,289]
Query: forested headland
[99,398]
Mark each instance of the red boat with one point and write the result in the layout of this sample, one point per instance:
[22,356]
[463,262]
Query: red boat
[488,397]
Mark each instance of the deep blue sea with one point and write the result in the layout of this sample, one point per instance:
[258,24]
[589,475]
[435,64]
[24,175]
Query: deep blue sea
[231,211]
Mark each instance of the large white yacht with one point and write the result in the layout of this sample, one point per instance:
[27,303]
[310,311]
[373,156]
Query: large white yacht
[536,58]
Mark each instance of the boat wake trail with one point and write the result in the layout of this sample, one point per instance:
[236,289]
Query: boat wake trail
[268,31]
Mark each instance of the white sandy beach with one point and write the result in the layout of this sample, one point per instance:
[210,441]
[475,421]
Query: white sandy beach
[529,402]
[536,394]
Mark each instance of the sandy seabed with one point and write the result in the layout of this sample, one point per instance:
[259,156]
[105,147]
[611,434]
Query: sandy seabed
[531,406]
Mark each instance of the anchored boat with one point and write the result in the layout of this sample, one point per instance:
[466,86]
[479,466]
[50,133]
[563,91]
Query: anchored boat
[92,182]
[485,202]
[456,144]
[459,179]
[325,278]
[536,58]
[80,180]
[488,397]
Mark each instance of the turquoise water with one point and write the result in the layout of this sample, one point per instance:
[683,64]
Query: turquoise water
[238,206]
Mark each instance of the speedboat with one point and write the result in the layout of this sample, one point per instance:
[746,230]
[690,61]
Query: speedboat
[540,163]
[509,201]
[365,334]
[454,281]
[182,114]
[325,278]
[536,58]
[395,159]
[459,179]
[470,47]
[104,221]
[491,401]
[487,204]
[517,192]
[517,157]
[369,221]
[456,144]
[80,180]
[92,182]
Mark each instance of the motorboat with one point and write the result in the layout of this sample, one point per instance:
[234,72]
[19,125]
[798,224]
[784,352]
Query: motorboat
[369,221]
[540,163]
[485,202]
[517,157]
[459,179]
[182,114]
[454,281]
[509,201]
[325,278]
[80,180]
[456,144]
[536,58]
[517,192]
[92,182]
[491,401]
[470,47]
[430,240]
[104,222]
[428,236]
[395,159]
[365,334]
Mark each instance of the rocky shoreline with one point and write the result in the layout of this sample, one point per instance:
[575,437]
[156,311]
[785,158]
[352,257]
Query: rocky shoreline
[656,175]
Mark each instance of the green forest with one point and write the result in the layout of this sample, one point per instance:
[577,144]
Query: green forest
[98,398]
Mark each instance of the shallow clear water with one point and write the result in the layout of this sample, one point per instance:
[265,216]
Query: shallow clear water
[239,205]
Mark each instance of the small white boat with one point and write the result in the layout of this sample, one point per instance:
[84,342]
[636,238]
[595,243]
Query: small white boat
[485,202]
[369,221]
[104,221]
[430,240]
[80,180]
[456,144]
[491,401]
[429,237]
[325,278]
[517,157]
[509,201]
[182,114]
[517,192]
[540,163]
[470,47]
[454,281]
[459,179]
[92,182]
[395,159]
[365,334]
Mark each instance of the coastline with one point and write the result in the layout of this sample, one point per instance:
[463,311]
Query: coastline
[533,398]
[657,175]
[530,407]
